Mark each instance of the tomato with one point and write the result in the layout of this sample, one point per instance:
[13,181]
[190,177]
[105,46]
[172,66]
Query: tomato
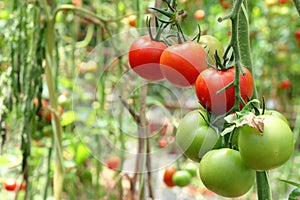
[182,178]
[168,176]
[48,114]
[285,84]
[211,46]
[276,114]
[76,2]
[297,34]
[113,162]
[191,168]
[10,184]
[163,143]
[132,20]
[223,172]
[144,56]
[199,14]
[194,137]
[182,63]
[267,150]
[211,80]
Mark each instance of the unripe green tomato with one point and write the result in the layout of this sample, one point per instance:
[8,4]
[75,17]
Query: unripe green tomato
[191,168]
[277,114]
[194,137]
[267,150]
[211,45]
[223,172]
[182,178]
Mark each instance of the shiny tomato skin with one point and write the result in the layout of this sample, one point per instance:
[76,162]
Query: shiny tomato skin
[223,172]
[211,80]
[267,150]
[168,175]
[182,63]
[144,56]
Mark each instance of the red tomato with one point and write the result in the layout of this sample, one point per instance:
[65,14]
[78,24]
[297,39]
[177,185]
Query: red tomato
[297,34]
[144,56]
[76,2]
[182,63]
[168,176]
[113,162]
[48,114]
[163,143]
[285,84]
[211,80]
[10,184]
[199,14]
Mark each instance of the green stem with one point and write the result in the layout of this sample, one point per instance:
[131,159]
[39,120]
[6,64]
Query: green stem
[263,186]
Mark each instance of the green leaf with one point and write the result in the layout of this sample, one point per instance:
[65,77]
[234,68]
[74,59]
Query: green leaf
[67,118]
[291,183]
[295,194]
[82,153]
[228,130]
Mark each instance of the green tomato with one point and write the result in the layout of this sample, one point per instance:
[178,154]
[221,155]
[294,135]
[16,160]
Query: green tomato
[211,45]
[276,114]
[191,168]
[194,137]
[182,178]
[267,150]
[223,172]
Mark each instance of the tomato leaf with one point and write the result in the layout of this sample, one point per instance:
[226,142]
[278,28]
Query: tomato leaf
[291,183]
[67,118]
[228,130]
[295,194]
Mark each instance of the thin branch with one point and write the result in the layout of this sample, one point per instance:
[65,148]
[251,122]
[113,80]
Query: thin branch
[135,116]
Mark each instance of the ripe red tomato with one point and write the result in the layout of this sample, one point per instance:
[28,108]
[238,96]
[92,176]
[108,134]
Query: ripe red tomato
[163,143]
[10,184]
[199,14]
[285,84]
[144,56]
[297,34]
[168,175]
[211,80]
[48,114]
[182,63]
[113,162]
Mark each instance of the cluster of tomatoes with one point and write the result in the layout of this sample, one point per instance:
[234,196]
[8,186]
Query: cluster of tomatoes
[180,177]
[12,184]
[261,142]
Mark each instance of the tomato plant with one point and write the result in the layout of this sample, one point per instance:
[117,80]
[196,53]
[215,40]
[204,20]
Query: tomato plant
[211,80]
[144,56]
[223,172]
[269,149]
[168,176]
[182,178]
[212,46]
[194,137]
[182,63]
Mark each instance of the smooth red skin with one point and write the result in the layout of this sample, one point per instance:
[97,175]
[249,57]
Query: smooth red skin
[113,163]
[212,80]
[10,184]
[182,63]
[144,56]
[285,84]
[168,175]
[297,34]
